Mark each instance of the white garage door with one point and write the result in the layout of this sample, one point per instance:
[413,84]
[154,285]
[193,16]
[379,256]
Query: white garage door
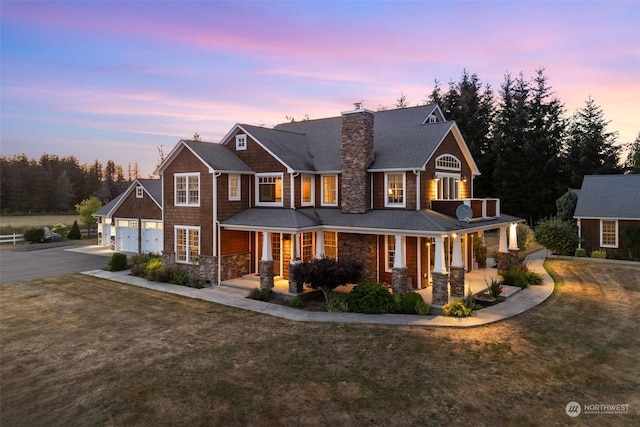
[151,237]
[127,235]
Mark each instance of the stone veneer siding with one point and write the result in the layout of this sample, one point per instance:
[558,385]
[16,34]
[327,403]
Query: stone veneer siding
[206,269]
[266,274]
[440,290]
[456,280]
[399,281]
[357,155]
[235,265]
[360,247]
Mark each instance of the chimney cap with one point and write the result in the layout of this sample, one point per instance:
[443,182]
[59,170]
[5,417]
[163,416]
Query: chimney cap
[358,108]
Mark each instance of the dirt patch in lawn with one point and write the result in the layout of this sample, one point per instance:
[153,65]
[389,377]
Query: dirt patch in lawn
[77,350]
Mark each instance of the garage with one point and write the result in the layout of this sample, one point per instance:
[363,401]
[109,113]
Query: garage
[127,235]
[151,237]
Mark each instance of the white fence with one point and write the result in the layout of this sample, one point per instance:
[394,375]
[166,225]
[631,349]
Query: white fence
[11,238]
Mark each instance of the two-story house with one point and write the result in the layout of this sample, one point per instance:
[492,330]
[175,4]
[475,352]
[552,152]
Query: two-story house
[383,187]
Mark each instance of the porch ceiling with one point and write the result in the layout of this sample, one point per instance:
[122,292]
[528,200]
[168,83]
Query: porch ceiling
[417,223]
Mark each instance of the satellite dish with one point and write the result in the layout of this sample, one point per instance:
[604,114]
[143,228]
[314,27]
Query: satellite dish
[464,213]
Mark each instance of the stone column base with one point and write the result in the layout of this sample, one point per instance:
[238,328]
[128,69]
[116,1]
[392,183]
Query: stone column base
[399,281]
[294,287]
[266,274]
[514,257]
[456,280]
[503,262]
[440,292]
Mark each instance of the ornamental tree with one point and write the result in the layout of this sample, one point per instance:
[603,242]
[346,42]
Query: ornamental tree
[326,274]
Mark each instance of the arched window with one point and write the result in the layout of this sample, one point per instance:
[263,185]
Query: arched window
[449,162]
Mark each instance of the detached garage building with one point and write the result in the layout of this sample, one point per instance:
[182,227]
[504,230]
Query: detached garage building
[132,222]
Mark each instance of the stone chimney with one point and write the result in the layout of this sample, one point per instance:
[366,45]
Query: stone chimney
[357,156]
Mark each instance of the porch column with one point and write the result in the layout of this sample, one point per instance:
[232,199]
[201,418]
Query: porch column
[319,244]
[440,291]
[295,246]
[457,268]
[399,270]
[503,255]
[513,245]
[266,262]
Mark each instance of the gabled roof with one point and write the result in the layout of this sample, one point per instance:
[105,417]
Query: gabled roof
[403,140]
[217,157]
[609,196]
[419,223]
[153,187]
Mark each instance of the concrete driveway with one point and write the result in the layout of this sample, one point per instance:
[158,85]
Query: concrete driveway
[52,259]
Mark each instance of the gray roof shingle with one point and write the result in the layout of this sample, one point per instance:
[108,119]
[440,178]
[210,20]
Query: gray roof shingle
[416,222]
[217,156]
[609,196]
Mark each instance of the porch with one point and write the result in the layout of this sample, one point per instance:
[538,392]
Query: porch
[475,282]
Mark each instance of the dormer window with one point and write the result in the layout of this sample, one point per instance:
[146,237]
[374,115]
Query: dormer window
[432,119]
[241,142]
[139,192]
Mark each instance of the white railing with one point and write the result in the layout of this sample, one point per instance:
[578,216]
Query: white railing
[11,238]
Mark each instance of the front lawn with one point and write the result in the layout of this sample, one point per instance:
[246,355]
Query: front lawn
[77,350]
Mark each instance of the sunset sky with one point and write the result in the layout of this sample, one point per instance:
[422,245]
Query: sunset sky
[116,80]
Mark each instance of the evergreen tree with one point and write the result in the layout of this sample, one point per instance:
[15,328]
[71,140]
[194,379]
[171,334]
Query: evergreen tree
[63,192]
[632,165]
[402,102]
[590,149]
[471,105]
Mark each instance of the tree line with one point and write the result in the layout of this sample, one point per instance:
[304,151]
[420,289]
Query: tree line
[528,150]
[55,184]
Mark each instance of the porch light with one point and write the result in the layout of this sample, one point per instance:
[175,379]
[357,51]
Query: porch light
[436,177]
[464,178]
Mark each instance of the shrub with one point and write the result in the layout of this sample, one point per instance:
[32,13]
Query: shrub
[138,270]
[457,308]
[581,252]
[162,274]
[295,302]
[559,236]
[525,236]
[371,298]
[33,235]
[520,276]
[179,276]
[150,266]
[495,289]
[117,262]
[599,254]
[408,302]
[326,274]
[338,303]
[61,229]
[74,233]
[260,294]
[422,308]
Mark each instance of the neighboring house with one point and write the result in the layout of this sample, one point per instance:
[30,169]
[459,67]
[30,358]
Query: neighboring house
[607,204]
[132,222]
[381,187]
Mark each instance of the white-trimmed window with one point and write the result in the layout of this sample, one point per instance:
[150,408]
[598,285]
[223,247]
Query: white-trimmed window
[307,246]
[139,192]
[234,187]
[390,252]
[330,190]
[187,189]
[447,186]
[187,244]
[241,142]
[395,184]
[448,162]
[307,195]
[331,244]
[608,233]
[269,188]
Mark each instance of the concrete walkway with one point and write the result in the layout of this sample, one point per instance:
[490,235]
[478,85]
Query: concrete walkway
[515,304]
